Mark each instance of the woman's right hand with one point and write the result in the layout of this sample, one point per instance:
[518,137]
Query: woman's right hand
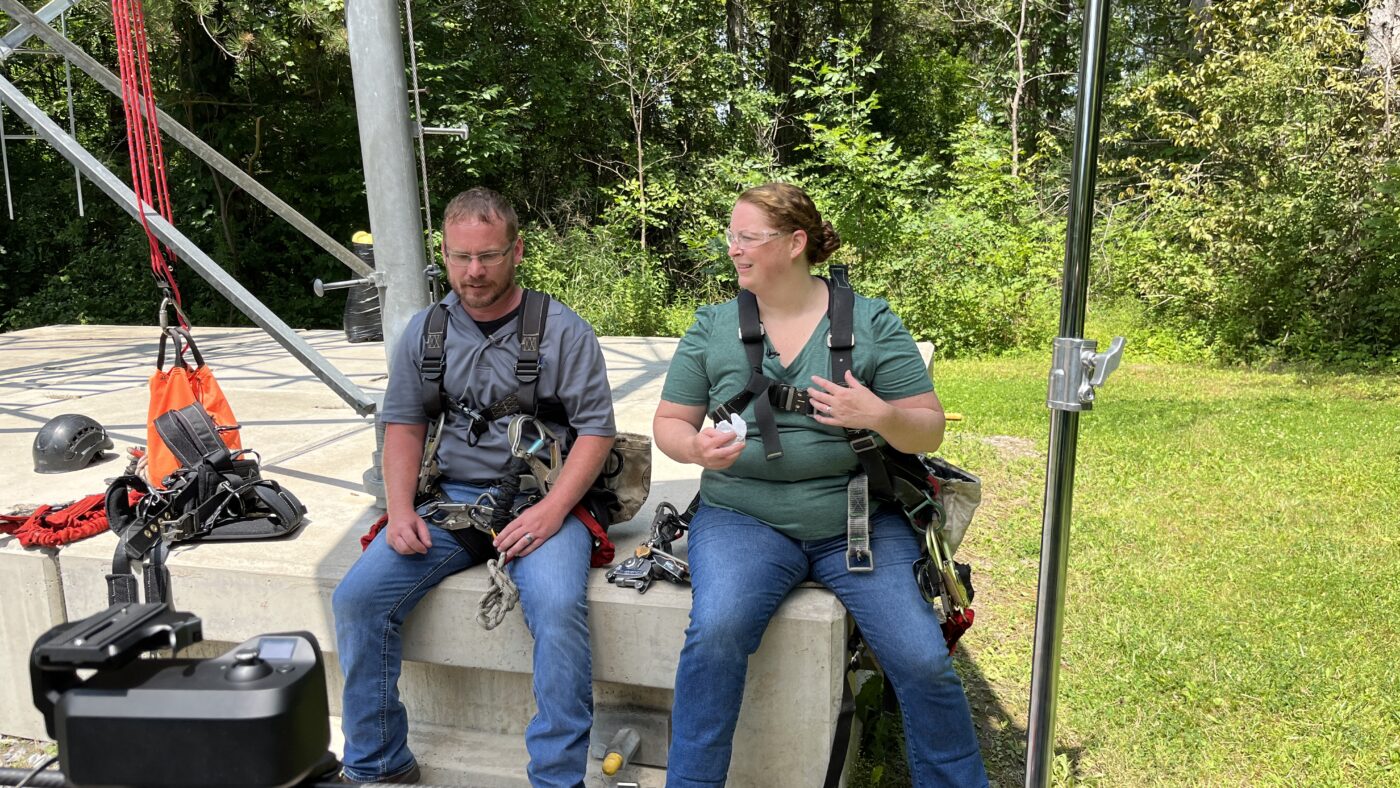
[716,450]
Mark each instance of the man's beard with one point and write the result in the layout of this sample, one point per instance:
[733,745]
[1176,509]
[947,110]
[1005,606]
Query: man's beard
[479,299]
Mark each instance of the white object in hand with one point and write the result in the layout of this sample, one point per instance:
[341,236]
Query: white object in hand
[736,426]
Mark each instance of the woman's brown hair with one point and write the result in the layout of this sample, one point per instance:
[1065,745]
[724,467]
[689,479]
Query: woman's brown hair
[789,208]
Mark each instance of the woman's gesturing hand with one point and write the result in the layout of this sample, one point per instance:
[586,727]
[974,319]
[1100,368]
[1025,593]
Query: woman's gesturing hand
[852,406]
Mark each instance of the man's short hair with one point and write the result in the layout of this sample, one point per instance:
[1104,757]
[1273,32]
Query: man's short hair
[482,205]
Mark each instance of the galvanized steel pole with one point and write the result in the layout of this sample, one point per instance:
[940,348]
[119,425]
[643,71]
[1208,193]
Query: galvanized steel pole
[381,104]
[1064,421]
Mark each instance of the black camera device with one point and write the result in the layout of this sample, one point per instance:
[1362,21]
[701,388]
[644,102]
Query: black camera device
[255,716]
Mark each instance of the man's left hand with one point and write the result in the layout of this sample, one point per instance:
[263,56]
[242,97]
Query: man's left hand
[527,532]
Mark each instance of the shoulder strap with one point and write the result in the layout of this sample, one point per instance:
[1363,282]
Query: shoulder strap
[434,352]
[527,365]
[751,333]
[841,313]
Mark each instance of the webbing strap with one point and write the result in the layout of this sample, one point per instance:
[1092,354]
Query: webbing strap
[527,364]
[751,333]
[841,312]
[858,555]
[434,343]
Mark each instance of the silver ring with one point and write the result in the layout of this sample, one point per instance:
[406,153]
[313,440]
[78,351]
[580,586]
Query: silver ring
[529,538]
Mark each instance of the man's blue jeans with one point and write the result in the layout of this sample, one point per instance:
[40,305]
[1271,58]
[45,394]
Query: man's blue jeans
[380,590]
[741,569]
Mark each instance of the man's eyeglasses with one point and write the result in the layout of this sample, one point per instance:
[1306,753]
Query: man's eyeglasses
[744,241]
[487,259]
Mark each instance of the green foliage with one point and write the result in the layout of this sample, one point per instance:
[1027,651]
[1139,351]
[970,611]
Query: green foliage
[1264,187]
[1249,184]
[617,289]
[973,270]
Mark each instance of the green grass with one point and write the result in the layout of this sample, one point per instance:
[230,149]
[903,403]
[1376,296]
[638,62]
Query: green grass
[1233,606]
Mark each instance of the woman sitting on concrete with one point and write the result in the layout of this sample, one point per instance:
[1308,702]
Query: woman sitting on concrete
[773,516]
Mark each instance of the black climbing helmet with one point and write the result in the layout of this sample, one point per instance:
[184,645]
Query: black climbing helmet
[68,442]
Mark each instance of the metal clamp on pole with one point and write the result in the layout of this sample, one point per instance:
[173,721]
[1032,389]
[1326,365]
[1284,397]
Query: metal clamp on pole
[1076,370]
[462,132]
[321,288]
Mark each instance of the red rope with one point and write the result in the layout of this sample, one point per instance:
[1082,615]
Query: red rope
[148,171]
[55,526]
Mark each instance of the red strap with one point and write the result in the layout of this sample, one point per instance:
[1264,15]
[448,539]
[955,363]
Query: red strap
[50,526]
[955,625]
[373,532]
[603,550]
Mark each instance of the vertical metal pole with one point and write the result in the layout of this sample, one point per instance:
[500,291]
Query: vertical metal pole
[5,158]
[381,105]
[72,120]
[1064,423]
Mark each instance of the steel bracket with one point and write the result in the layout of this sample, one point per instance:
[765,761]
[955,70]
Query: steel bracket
[1077,369]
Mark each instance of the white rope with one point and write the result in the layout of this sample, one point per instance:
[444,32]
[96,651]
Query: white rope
[500,599]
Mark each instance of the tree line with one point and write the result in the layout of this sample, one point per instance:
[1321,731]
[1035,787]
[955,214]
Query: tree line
[1248,204]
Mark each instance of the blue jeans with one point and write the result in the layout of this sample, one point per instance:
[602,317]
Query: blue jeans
[380,590]
[741,569]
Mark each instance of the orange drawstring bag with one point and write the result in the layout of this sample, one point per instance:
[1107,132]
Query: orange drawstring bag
[176,388]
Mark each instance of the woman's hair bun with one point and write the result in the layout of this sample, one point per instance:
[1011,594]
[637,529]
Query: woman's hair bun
[823,243]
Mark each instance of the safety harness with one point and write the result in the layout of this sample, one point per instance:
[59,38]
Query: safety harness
[55,526]
[214,495]
[926,489]
[528,450]
[536,459]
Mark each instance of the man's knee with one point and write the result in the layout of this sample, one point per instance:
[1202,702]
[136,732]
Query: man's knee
[560,615]
[352,599]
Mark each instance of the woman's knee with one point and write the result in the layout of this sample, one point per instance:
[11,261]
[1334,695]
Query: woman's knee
[725,629]
[925,665]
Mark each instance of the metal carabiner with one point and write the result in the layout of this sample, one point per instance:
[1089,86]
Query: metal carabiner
[546,473]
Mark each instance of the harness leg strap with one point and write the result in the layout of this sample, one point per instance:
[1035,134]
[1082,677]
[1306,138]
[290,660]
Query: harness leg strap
[859,557]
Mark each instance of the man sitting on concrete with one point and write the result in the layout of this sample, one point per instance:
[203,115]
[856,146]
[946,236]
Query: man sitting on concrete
[545,547]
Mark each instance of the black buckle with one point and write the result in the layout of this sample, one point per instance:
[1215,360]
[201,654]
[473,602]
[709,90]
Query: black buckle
[527,371]
[789,398]
[433,368]
[863,443]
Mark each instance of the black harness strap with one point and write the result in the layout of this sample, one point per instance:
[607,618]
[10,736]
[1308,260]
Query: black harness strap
[527,365]
[841,312]
[533,314]
[841,341]
[433,367]
[751,333]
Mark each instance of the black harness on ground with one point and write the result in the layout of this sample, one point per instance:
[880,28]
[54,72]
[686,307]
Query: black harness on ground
[213,496]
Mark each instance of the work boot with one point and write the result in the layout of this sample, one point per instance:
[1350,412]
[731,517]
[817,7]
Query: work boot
[410,776]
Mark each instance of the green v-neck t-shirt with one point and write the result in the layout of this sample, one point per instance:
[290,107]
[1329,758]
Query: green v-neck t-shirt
[803,493]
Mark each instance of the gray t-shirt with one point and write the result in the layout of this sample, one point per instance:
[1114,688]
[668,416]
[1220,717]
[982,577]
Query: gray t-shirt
[481,370]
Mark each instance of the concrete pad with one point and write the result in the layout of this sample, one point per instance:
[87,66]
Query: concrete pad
[33,605]
[467,691]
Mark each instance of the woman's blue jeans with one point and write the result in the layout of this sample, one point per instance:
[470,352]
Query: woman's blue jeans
[380,590]
[741,569]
